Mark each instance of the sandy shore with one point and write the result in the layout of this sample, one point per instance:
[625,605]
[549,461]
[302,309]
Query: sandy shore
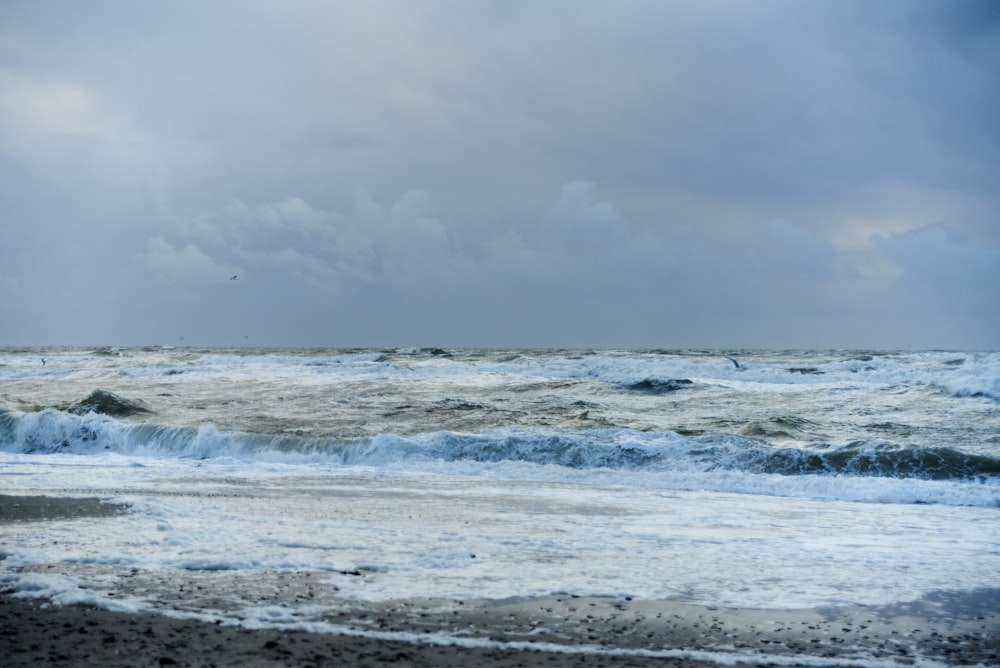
[81,636]
[40,508]
[558,630]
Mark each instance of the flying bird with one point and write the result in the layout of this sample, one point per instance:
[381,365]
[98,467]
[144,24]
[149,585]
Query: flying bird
[233,277]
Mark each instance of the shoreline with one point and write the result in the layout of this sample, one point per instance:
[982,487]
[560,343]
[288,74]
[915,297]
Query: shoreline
[558,630]
[527,632]
[32,634]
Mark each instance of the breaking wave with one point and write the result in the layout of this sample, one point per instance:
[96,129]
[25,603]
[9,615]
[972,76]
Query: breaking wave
[666,458]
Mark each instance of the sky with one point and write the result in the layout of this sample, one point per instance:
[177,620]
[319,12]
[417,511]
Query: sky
[566,173]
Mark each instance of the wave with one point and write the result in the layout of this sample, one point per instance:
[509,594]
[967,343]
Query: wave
[658,385]
[52,431]
[976,387]
[878,458]
[108,403]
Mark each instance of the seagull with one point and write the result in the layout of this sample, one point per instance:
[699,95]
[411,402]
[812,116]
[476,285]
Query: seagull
[233,277]
[735,363]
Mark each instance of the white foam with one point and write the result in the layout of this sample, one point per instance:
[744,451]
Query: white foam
[415,534]
[66,590]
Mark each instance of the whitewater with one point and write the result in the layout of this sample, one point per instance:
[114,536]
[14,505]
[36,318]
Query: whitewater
[774,480]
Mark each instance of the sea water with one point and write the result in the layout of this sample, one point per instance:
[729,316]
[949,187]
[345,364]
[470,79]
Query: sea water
[768,479]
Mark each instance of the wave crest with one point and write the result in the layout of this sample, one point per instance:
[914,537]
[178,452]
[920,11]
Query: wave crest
[52,431]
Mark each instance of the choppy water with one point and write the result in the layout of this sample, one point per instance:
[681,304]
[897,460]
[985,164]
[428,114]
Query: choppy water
[654,418]
[796,479]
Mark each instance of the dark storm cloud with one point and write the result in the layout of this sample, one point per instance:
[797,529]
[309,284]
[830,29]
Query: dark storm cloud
[451,173]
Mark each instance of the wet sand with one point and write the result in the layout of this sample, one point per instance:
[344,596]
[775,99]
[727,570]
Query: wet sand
[557,630]
[40,508]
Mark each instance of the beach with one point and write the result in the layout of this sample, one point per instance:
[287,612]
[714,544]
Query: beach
[555,630]
[499,507]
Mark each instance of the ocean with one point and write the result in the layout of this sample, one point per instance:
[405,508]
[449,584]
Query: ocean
[769,480]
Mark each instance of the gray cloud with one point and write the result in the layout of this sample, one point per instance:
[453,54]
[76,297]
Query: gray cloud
[432,172]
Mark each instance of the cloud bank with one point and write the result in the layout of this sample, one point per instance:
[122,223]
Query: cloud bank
[776,174]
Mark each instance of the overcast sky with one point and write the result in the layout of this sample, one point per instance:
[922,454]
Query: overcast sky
[564,173]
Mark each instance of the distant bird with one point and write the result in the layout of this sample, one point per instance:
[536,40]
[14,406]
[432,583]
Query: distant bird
[233,277]
[735,363]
